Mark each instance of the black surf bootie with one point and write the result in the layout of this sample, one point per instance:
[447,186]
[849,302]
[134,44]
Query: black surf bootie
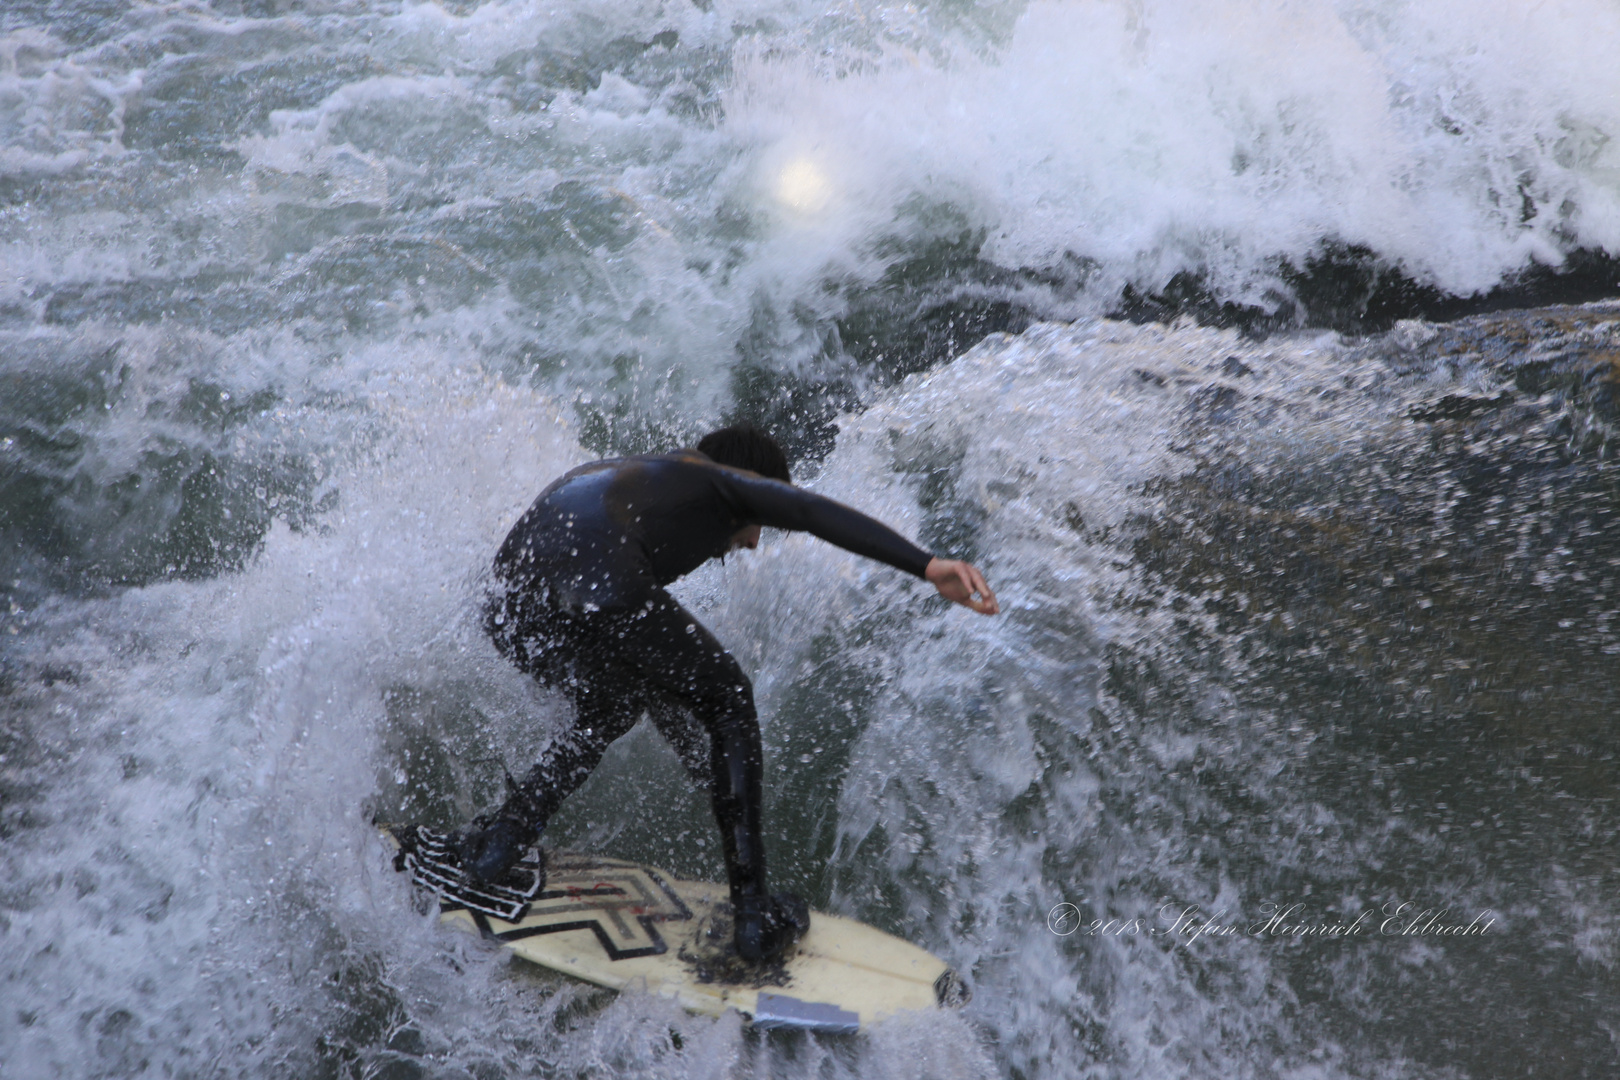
[487,850]
[768,925]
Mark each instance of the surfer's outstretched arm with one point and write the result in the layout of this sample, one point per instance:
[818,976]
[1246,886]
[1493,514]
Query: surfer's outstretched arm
[762,500]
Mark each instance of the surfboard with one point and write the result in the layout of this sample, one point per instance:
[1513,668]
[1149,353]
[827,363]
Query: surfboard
[627,926]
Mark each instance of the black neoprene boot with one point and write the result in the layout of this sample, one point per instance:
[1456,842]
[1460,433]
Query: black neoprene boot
[488,852]
[767,926]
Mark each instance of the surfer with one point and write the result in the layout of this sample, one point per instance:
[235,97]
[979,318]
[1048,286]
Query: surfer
[580,605]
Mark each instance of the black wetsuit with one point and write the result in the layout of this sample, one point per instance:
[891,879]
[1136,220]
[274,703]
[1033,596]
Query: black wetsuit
[583,608]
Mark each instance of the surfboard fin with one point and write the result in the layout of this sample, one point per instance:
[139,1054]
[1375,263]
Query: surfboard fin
[430,858]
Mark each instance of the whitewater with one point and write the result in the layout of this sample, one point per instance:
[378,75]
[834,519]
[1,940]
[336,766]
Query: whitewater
[1265,355]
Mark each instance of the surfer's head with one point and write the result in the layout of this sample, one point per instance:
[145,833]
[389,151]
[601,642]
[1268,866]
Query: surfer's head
[744,446]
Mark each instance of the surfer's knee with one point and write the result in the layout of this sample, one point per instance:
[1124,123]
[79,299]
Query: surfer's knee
[728,712]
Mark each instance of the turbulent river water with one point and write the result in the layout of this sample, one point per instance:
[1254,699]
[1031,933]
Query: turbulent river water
[1312,596]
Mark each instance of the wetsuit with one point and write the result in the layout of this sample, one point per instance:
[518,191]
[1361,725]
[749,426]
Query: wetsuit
[583,607]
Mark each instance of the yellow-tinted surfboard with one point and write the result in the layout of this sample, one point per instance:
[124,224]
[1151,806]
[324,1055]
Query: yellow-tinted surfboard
[626,926]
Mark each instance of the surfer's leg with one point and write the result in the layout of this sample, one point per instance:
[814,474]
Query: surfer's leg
[572,654]
[683,732]
[677,654]
[603,713]
[601,716]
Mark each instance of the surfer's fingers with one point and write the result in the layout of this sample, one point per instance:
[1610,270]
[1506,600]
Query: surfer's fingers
[977,586]
[960,583]
[969,589]
[987,604]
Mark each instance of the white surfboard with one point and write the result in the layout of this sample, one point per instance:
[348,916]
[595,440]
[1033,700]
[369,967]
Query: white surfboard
[626,926]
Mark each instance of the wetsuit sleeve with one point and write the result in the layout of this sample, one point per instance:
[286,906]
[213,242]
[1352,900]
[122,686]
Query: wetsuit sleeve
[761,501]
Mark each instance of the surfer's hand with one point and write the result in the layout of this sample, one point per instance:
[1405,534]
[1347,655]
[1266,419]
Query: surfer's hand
[960,583]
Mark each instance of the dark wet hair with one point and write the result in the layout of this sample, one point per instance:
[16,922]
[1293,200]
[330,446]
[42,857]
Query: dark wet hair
[744,446]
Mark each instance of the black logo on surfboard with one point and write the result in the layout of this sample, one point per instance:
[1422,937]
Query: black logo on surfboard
[622,903]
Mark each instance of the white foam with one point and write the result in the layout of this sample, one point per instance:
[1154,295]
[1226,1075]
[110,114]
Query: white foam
[56,115]
[968,800]
[153,921]
[247,712]
[775,152]
[1159,137]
